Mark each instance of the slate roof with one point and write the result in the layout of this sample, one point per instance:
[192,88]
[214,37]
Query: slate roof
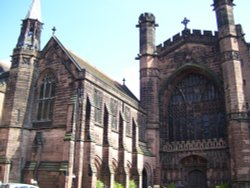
[84,65]
[97,73]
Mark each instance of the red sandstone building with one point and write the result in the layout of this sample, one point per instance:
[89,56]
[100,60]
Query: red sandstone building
[66,124]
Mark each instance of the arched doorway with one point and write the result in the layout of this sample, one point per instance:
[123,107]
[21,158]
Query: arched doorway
[196,179]
[195,168]
[144,178]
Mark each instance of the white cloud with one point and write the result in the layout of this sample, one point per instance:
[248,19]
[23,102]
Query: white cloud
[5,64]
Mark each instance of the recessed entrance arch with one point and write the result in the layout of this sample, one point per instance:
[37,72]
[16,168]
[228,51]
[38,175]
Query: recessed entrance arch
[196,179]
[144,178]
[195,168]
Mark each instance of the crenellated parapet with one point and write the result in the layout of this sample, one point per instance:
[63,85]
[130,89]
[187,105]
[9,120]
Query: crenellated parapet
[187,35]
[195,145]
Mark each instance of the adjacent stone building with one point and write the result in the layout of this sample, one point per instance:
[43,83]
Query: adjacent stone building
[66,124]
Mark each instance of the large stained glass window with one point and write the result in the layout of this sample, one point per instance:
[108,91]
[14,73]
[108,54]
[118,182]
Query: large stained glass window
[195,110]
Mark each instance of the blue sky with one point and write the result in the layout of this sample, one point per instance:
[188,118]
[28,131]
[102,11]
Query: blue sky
[103,31]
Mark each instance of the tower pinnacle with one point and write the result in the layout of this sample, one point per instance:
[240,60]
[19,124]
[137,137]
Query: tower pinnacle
[34,11]
[30,34]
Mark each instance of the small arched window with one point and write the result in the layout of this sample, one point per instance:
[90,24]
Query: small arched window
[113,112]
[46,98]
[98,106]
[127,116]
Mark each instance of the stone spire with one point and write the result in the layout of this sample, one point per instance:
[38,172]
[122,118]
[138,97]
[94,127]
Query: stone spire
[34,11]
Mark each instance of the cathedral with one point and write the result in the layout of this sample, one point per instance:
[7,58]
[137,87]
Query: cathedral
[65,124]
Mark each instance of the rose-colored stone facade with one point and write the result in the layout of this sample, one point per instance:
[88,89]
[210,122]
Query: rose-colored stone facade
[66,124]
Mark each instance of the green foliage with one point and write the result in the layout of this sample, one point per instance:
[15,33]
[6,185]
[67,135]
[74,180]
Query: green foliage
[132,184]
[171,185]
[224,185]
[99,184]
[117,185]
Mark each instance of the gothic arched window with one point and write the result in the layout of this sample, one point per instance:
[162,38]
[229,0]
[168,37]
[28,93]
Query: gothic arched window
[127,116]
[98,106]
[195,110]
[114,111]
[46,98]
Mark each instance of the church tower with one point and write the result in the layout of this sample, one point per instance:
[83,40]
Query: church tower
[149,79]
[16,118]
[238,131]
[148,67]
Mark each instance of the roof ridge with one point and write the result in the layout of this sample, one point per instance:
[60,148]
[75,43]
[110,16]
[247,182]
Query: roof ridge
[90,64]
[100,74]
[81,64]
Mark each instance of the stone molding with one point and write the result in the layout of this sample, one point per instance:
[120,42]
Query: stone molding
[230,56]
[238,116]
[149,72]
[209,144]
[206,37]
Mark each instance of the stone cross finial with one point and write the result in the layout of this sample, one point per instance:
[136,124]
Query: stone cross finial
[53,30]
[185,22]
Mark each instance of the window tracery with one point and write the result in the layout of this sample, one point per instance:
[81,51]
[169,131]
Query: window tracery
[195,110]
[46,98]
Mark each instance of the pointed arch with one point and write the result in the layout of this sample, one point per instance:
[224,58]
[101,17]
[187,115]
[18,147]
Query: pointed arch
[48,71]
[98,166]
[134,135]
[129,167]
[188,68]
[87,119]
[192,105]
[147,175]
[105,125]
[121,131]
[195,170]
[114,165]
[197,160]
[45,95]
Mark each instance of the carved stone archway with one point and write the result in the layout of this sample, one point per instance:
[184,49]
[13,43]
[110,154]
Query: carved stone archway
[194,171]
[196,179]
[144,178]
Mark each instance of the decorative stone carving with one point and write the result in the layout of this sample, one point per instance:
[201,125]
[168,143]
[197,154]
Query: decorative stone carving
[230,55]
[194,145]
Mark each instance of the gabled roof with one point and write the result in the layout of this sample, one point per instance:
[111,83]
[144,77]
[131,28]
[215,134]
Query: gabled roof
[97,73]
[82,64]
